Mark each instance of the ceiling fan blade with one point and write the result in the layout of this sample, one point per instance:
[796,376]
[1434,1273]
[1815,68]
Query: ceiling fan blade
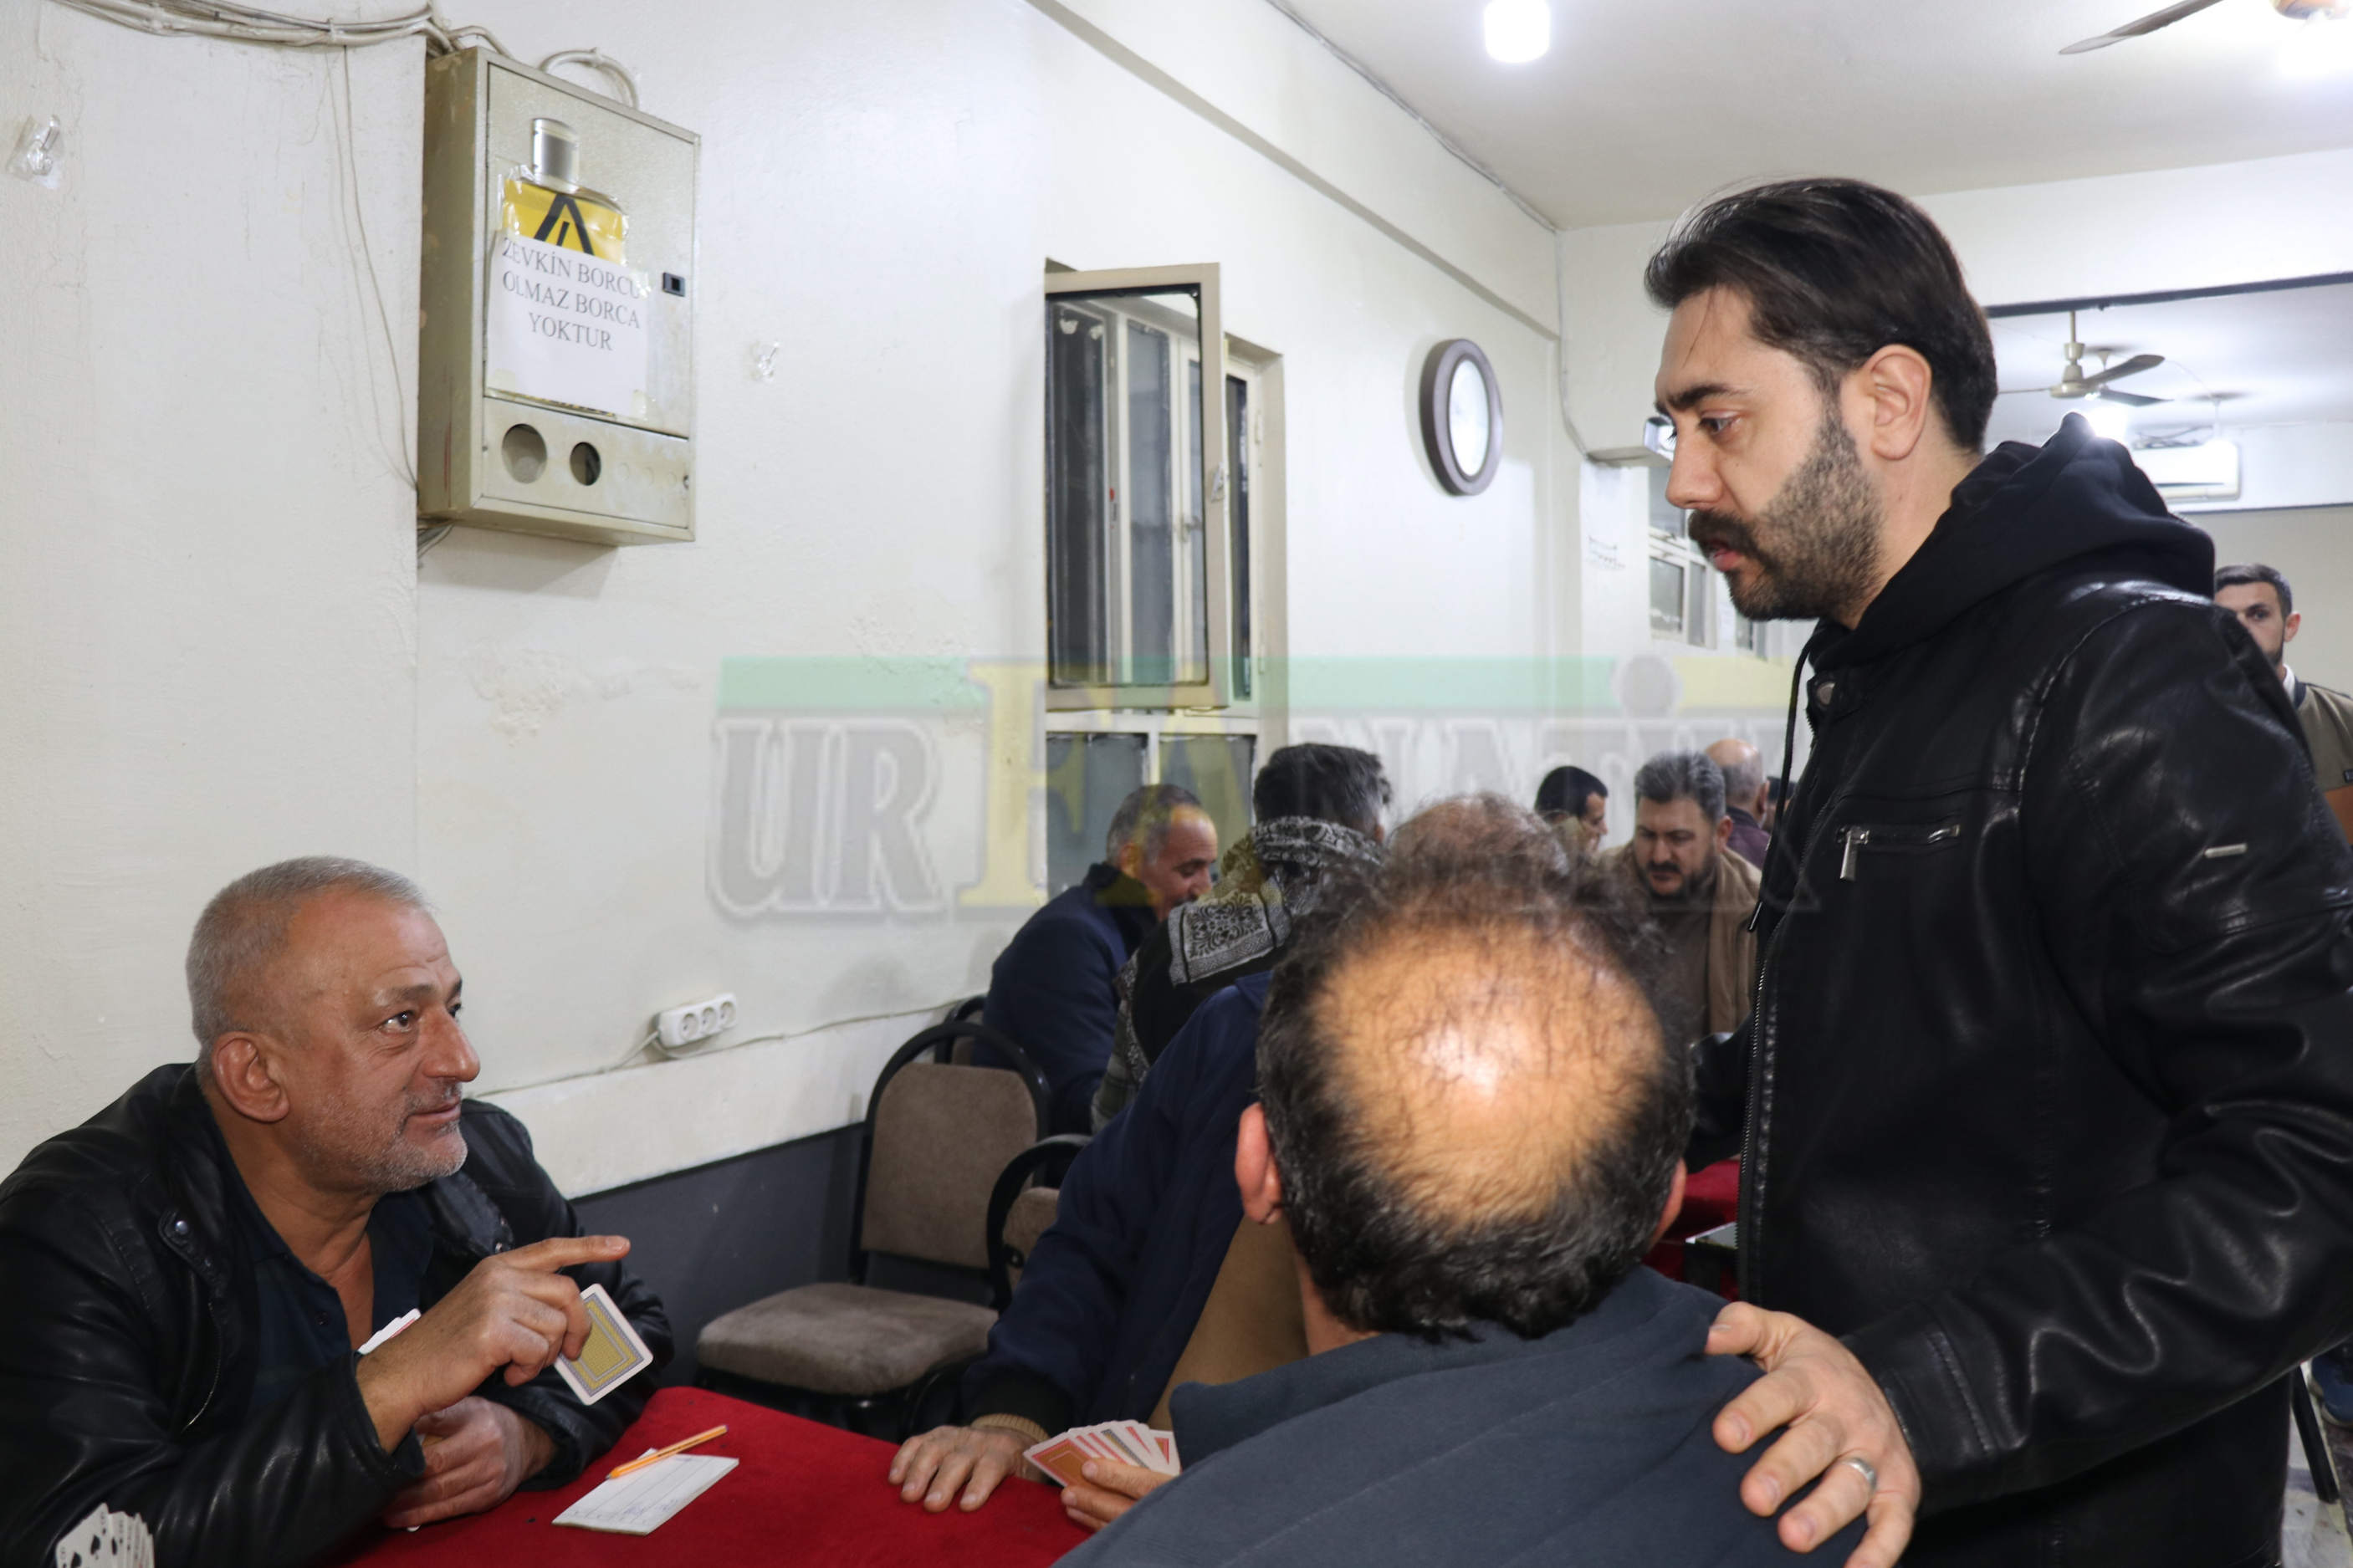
[2148,24]
[2133,366]
[2131,399]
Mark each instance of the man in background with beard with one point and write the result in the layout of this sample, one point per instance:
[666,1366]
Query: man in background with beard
[189,1274]
[1700,892]
[2045,1105]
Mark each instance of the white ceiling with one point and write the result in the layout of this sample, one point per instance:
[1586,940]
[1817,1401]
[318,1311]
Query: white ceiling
[2276,358]
[1644,107]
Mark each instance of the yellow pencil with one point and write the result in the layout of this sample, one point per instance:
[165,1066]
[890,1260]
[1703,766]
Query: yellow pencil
[617,1471]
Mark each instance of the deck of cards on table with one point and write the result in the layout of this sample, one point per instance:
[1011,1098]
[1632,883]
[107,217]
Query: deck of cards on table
[612,1353]
[1064,1456]
[108,1540]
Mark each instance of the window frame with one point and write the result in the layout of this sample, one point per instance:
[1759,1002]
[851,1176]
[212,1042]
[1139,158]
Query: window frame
[1215,689]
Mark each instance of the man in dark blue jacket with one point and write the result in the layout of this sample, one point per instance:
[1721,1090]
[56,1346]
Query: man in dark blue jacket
[1053,988]
[1113,1290]
[1472,1128]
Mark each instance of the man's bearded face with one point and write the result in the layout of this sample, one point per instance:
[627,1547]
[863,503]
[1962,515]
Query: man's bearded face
[1815,544]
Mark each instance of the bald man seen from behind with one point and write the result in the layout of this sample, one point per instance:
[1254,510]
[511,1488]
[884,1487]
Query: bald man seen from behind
[1473,1127]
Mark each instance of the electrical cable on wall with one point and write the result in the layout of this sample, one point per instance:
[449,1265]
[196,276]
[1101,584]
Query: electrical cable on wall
[250,24]
[712,1044]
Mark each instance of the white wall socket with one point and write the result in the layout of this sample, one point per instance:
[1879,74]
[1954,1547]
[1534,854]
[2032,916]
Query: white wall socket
[676,1026]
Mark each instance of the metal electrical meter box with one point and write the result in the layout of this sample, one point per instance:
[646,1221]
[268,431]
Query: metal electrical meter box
[556,350]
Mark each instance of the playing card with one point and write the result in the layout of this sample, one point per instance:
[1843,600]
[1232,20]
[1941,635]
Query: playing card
[1061,1458]
[613,1353]
[108,1540]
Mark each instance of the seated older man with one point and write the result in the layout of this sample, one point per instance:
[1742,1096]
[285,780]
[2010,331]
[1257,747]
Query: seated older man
[184,1277]
[1471,1126]
[1055,987]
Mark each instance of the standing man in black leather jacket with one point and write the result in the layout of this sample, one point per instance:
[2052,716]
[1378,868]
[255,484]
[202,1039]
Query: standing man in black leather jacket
[2046,1101]
[185,1276]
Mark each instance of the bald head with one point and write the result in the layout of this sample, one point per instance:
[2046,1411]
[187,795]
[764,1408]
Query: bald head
[1468,1100]
[1744,774]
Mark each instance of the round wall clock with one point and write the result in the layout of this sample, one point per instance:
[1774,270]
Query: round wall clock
[1462,416]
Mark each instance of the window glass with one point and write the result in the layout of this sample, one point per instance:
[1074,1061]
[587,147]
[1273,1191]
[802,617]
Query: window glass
[1078,495]
[1086,778]
[1666,597]
[1128,594]
[1217,769]
[1238,512]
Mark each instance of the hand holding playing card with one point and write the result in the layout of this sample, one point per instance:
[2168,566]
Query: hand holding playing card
[514,1311]
[1108,1489]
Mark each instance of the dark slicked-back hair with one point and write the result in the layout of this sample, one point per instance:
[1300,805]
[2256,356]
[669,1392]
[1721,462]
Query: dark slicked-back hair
[2248,572]
[1331,784]
[1392,1246]
[1567,789]
[1833,271]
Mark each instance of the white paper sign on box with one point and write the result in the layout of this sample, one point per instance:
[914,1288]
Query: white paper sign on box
[564,327]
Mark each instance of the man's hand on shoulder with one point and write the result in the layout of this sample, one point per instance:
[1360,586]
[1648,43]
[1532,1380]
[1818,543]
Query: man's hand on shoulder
[475,1453]
[514,1311]
[1834,1411]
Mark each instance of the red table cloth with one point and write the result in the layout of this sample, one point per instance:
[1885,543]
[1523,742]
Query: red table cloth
[803,1493]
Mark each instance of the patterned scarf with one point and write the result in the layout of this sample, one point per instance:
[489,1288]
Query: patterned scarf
[1274,873]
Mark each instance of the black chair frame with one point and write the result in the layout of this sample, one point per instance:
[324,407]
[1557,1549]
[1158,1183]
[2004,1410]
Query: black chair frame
[1049,1159]
[939,1042]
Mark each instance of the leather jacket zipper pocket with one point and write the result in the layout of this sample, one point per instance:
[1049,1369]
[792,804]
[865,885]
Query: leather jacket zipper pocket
[1905,838]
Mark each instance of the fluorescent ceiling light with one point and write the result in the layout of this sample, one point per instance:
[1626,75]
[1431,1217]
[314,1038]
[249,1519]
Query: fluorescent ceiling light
[2320,47]
[1518,30]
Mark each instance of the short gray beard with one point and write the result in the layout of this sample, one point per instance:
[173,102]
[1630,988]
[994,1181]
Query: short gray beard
[351,1147]
[1824,525]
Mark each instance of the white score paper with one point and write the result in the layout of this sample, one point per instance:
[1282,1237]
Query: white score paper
[643,1500]
[565,327]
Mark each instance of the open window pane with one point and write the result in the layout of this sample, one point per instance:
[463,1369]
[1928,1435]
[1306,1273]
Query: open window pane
[1237,513]
[1131,577]
[1079,491]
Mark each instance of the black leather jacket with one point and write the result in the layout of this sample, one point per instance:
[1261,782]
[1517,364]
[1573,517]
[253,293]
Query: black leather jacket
[128,1318]
[2048,1092]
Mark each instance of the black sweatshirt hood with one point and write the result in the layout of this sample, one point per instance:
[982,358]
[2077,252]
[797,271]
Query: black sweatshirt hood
[2023,511]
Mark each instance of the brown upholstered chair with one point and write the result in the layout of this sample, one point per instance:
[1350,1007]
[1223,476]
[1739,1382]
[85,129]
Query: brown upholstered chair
[937,1136]
[1021,1208]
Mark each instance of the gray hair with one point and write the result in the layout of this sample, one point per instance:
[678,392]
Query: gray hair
[1683,775]
[244,927]
[1145,814]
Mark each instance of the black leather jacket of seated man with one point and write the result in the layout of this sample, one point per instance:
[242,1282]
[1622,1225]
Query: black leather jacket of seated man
[2048,1092]
[127,1314]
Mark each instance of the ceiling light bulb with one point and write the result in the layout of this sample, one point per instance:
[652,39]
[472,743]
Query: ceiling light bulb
[2320,47]
[2110,421]
[1518,30]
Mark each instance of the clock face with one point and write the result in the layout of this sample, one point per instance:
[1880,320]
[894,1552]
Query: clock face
[1466,416]
[1461,417]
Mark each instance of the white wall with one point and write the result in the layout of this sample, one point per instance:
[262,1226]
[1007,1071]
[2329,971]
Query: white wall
[226,656]
[207,626]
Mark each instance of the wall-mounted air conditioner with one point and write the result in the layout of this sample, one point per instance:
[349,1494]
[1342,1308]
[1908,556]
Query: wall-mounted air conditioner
[2208,471]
